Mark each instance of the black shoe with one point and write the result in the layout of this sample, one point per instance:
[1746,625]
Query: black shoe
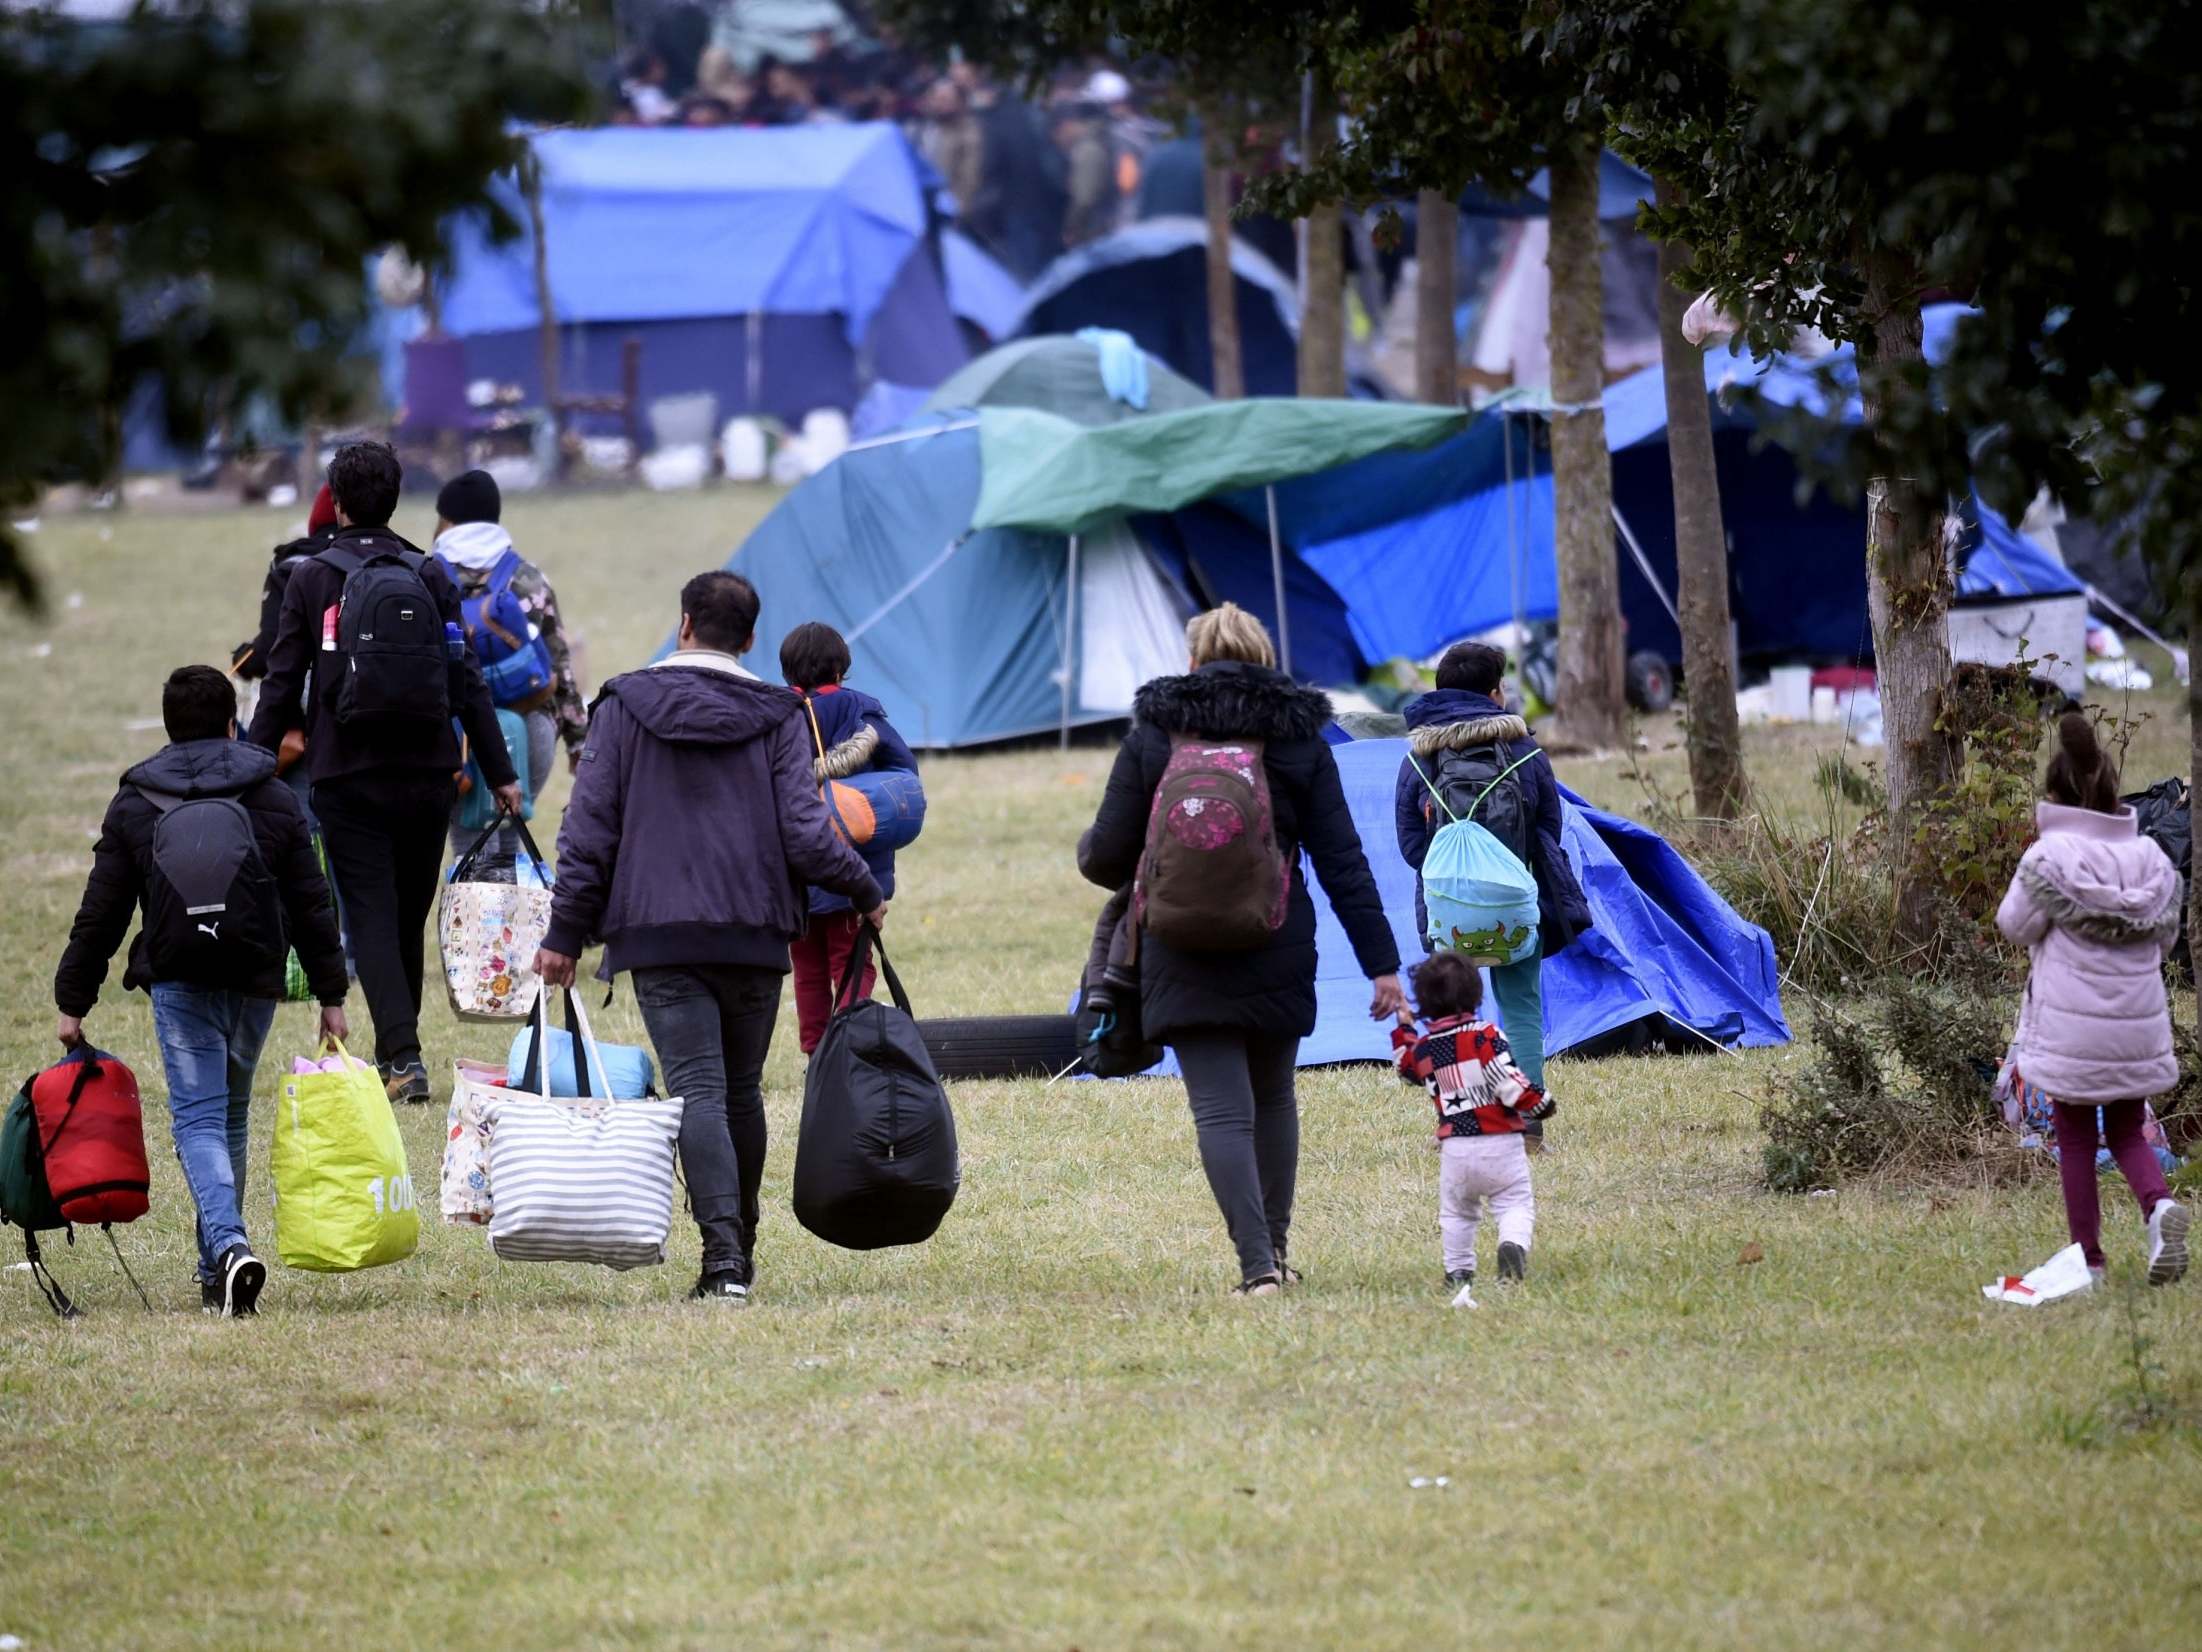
[1460,1276]
[1513,1262]
[407,1083]
[210,1296]
[242,1276]
[729,1288]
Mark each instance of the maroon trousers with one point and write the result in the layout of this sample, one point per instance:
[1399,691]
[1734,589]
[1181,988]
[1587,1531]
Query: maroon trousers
[2076,1168]
[819,956]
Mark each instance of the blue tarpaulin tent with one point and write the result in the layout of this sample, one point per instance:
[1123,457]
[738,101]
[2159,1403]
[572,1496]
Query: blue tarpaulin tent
[1150,280]
[783,269]
[1665,944]
[1427,547]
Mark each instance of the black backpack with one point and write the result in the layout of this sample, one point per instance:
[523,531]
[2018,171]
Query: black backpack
[393,670]
[1484,785]
[212,911]
[875,1160]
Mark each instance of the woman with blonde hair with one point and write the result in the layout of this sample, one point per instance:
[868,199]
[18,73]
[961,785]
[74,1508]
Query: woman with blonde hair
[1232,1004]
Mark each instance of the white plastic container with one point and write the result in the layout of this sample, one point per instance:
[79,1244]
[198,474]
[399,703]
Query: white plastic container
[1792,686]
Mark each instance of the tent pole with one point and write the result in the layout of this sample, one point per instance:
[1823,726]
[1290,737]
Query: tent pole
[1070,636]
[1277,582]
[1513,535]
[1643,563]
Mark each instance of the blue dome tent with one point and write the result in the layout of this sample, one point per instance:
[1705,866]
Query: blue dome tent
[997,573]
[1150,280]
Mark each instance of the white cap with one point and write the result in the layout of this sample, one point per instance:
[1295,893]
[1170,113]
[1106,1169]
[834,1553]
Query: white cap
[1107,86]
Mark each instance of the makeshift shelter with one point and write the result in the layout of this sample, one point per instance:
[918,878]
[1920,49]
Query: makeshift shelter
[1150,280]
[1665,948]
[780,269]
[994,575]
[983,295]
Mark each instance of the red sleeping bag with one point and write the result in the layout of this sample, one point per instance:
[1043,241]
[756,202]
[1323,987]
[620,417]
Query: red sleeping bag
[92,1131]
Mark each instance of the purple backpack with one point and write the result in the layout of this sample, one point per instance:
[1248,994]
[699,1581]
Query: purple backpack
[1212,877]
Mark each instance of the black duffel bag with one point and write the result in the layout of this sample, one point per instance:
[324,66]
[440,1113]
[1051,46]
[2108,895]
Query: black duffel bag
[875,1160]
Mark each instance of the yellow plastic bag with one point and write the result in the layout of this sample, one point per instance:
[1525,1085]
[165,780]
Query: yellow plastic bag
[343,1194]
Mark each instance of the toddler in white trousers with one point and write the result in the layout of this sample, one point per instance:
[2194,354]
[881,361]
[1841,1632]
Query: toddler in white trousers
[1483,1102]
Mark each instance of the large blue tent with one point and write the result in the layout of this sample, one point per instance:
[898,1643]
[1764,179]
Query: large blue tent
[782,269]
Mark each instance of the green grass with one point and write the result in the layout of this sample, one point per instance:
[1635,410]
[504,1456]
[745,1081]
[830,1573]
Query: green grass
[1051,1426]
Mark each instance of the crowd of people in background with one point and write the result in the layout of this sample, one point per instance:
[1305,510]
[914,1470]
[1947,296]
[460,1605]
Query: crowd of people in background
[1028,178]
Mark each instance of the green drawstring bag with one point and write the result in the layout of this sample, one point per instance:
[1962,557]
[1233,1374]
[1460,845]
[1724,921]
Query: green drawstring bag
[343,1194]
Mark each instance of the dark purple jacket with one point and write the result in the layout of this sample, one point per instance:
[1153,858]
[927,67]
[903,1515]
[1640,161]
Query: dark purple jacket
[695,824]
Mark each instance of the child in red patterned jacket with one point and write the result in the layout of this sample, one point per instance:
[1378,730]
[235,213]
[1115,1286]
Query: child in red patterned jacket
[1483,1101]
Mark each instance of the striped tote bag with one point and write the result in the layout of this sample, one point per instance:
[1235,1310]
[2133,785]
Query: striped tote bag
[591,1182]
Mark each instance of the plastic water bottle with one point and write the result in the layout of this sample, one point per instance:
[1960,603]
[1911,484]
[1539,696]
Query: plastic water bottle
[454,641]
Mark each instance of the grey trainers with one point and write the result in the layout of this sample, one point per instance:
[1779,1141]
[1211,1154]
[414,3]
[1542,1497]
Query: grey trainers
[407,1082]
[2167,1243]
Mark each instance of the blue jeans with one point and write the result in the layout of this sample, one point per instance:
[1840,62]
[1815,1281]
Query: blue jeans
[1519,989]
[210,1043]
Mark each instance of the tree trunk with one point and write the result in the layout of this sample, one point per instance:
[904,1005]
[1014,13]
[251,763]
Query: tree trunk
[1323,290]
[1908,587]
[1223,307]
[2194,785]
[1700,554]
[1436,350]
[1592,706]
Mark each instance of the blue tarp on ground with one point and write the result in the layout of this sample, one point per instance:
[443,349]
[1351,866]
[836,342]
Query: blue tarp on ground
[805,246]
[1664,943]
[1151,280]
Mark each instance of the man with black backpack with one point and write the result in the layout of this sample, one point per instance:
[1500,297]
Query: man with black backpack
[1471,758]
[215,849]
[371,627]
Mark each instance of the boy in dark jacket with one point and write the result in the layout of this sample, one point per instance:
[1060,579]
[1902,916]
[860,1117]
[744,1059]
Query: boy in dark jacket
[1466,710]
[851,736]
[382,791]
[694,825]
[212,1004]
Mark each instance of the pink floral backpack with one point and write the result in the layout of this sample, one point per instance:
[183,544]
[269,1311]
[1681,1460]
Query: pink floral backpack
[1212,877]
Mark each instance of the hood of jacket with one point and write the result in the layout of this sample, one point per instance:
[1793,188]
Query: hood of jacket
[203,768]
[1229,699]
[2096,875]
[473,547]
[1455,719]
[697,698]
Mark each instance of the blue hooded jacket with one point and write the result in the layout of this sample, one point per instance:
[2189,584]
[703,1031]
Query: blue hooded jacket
[1454,719]
[857,737]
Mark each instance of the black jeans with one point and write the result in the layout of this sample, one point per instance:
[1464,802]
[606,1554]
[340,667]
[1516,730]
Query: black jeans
[384,831]
[1240,1085]
[712,1027]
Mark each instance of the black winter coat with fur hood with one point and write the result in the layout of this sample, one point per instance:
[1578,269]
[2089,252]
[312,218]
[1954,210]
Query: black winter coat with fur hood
[1271,990]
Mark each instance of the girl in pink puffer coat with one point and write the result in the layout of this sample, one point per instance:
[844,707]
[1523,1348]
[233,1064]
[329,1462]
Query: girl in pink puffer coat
[2097,906]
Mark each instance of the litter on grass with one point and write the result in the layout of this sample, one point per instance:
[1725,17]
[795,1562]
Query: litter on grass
[2064,1274]
[1423,1482]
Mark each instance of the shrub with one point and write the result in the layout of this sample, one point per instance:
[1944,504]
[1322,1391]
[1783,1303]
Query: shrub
[1904,1089]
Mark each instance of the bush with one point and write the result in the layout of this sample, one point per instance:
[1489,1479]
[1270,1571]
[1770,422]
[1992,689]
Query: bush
[1904,1089]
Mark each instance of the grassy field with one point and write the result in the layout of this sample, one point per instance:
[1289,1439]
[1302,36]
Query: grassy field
[1712,1418]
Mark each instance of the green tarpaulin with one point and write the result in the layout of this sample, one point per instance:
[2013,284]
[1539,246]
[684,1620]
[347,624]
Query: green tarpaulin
[1058,375]
[1046,474]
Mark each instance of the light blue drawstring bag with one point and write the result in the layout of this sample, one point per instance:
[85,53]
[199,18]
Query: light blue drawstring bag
[1481,900]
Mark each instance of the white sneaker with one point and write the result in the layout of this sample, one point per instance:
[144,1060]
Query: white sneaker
[1466,1298]
[2167,1243]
